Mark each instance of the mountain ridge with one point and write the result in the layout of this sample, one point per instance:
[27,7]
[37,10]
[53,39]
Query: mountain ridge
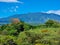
[32,18]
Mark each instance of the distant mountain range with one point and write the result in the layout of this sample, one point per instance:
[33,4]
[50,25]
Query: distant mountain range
[32,18]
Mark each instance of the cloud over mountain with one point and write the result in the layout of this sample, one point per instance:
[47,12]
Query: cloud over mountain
[54,11]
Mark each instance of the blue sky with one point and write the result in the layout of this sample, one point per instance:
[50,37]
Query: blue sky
[11,7]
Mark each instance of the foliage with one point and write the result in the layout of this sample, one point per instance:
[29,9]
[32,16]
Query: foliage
[52,23]
[20,33]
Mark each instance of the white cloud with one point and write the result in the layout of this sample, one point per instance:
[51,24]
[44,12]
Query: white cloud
[11,1]
[15,10]
[17,6]
[54,11]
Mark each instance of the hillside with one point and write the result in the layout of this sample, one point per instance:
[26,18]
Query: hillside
[20,33]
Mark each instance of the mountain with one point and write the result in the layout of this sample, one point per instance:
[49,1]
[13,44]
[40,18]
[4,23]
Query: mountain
[32,18]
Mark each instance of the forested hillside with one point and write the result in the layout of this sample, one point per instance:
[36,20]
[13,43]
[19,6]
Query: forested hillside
[20,33]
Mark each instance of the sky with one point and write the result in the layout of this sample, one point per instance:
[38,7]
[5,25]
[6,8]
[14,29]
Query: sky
[12,7]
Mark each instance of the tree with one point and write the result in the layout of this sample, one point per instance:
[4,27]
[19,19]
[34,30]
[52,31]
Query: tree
[15,20]
[51,23]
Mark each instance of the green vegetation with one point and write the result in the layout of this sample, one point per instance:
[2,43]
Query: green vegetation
[19,33]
